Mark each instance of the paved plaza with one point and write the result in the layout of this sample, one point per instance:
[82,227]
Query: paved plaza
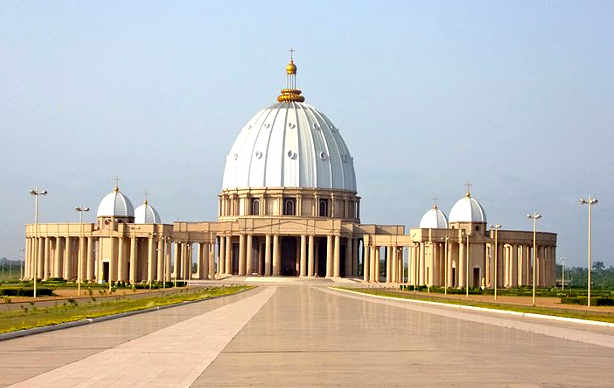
[306,334]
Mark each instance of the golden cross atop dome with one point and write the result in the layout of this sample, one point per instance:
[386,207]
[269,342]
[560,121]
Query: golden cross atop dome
[468,186]
[290,93]
[115,183]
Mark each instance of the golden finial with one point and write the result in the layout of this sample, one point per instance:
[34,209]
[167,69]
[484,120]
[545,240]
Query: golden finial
[468,193]
[291,67]
[435,203]
[290,93]
[116,184]
[146,198]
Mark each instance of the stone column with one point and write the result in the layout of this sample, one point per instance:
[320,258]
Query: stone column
[150,253]
[310,264]
[47,254]
[220,257]
[160,260]
[337,257]
[57,262]
[267,256]
[249,255]
[372,259]
[355,257]
[121,261]
[228,255]
[461,265]
[450,280]
[514,268]
[303,260]
[329,256]
[177,254]
[203,261]
[276,255]
[365,263]
[348,257]
[133,260]
[242,254]
[67,259]
[388,264]
[188,264]
[422,264]
[211,261]
[377,263]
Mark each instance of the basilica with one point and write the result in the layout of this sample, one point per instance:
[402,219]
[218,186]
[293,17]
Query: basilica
[289,206]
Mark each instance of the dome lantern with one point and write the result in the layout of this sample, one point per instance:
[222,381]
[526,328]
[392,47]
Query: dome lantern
[290,93]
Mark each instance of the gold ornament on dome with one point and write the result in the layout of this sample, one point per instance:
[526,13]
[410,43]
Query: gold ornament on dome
[291,93]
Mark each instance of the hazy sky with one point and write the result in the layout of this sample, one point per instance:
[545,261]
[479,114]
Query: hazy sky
[516,97]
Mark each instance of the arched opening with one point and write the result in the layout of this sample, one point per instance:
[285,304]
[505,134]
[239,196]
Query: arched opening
[323,208]
[255,208]
[289,207]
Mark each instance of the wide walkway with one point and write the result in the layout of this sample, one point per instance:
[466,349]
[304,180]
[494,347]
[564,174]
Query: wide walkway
[299,335]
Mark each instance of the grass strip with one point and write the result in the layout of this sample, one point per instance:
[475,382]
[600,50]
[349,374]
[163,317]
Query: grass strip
[28,318]
[558,312]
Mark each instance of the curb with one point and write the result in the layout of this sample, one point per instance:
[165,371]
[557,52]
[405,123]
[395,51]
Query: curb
[484,309]
[87,321]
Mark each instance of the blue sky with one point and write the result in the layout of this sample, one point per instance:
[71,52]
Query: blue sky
[515,97]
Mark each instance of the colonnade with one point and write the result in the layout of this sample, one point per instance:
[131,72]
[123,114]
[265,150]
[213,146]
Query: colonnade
[259,254]
[426,264]
[127,259]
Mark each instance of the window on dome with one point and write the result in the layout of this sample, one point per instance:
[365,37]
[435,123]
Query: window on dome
[323,208]
[255,207]
[289,207]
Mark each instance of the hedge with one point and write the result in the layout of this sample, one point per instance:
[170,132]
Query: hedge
[583,300]
[25,291]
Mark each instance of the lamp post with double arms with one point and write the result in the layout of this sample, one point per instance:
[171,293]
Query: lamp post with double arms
[36,192]
[496,228]
[589,201]
[563,260]
[80,209]
[534,216]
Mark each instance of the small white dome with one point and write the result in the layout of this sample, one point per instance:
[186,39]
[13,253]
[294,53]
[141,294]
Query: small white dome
[467,209]
[434,219]
[115,204]
[290,144]
[146,214]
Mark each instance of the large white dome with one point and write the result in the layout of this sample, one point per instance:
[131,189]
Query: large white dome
[146,214]
[115,204]
[289,144]
[467,209]
[434,219]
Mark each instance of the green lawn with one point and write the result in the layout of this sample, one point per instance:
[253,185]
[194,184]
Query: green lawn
[559,312]
[29,317]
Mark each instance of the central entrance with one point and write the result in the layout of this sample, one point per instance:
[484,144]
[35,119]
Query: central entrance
[289,256]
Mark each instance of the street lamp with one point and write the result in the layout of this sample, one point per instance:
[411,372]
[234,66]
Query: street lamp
[534,216]
[23,259]
[80,209]
[590,201]
[36,192]
[563,260]
[496,228]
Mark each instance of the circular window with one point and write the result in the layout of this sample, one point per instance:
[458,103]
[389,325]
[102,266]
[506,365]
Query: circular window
[292,155]
[323,155]
[291,125]
[267,125]
[258,154]
[235,156]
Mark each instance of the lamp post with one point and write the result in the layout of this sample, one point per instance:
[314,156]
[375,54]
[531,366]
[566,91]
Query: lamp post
[563,260]
[36,192]
[534,216]
[590,201]
[496,228]
[80,209]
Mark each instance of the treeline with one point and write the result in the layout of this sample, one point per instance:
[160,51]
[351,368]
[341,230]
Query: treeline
[601,276]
